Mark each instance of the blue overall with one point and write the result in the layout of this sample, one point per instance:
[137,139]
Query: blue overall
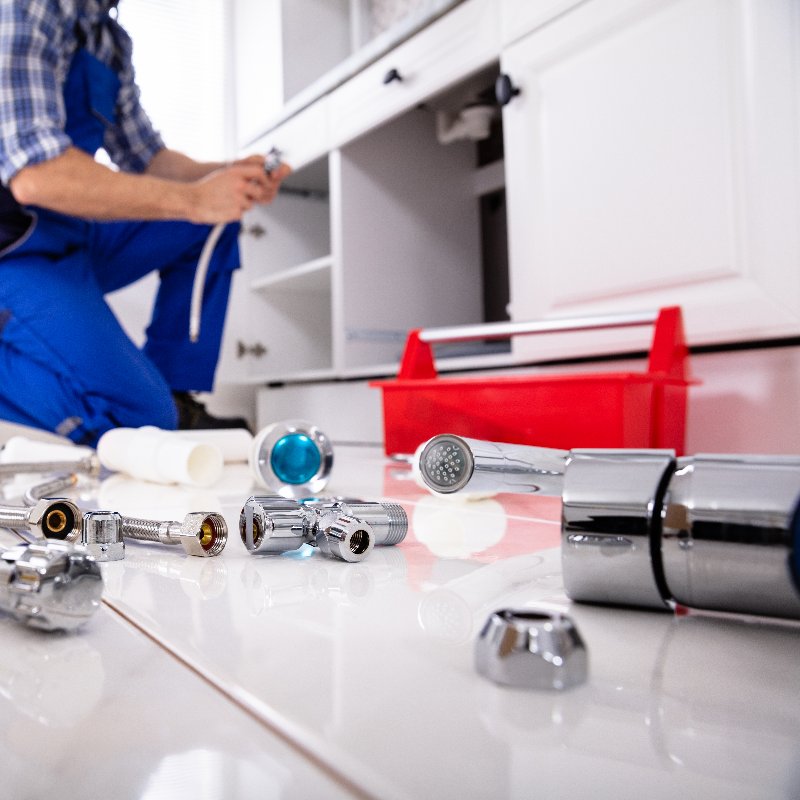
[66,365]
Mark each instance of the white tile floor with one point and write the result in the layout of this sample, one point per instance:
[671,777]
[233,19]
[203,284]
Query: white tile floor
[242,676]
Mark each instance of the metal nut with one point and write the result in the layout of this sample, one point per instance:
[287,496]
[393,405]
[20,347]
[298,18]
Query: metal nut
[344,537]
[56,518]
[531,650]
[203,533]
[102,535]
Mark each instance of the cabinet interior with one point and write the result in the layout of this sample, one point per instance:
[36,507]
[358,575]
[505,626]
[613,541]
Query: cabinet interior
[393,231]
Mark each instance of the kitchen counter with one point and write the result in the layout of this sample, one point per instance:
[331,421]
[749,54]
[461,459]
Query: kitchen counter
[298,676]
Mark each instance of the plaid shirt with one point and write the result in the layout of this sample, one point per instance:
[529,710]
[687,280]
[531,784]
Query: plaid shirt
[38,39]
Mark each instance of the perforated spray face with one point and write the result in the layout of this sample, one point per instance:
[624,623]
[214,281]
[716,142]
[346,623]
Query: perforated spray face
[446,463]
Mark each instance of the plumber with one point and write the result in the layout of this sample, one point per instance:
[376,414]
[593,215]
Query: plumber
[72,230]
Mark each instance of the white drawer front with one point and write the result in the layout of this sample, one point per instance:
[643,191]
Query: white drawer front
[461,42]
[302,138]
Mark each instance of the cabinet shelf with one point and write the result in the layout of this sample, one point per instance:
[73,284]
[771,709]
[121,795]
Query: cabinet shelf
[313,277]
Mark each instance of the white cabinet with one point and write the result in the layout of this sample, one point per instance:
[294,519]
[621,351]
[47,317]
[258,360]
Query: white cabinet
[652,157]
[656,160]
[445,52]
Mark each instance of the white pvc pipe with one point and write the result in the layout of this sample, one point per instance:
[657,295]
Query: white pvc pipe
[155,455]
[235,444]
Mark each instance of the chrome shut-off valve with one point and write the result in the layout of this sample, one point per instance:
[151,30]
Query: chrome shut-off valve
[645,528]
[49,585]
[271,524]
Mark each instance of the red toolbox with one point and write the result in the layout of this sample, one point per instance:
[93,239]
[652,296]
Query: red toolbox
[614,409]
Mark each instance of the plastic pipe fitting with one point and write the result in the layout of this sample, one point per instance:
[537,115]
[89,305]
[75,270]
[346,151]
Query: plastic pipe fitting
[49,585]
[292,458]
[647,529]
[152,454]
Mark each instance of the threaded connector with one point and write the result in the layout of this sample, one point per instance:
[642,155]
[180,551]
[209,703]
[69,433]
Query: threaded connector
[343,537]
[51,517]
[101,535]
[388,521]
[202,533]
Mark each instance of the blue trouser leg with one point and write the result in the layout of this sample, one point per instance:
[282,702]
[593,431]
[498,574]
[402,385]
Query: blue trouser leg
[65,362]
[125,252]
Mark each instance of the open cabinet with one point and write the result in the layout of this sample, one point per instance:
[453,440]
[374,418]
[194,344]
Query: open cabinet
[400,228]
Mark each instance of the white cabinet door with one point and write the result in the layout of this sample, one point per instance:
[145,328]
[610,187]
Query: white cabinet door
[519,17]
[653,158]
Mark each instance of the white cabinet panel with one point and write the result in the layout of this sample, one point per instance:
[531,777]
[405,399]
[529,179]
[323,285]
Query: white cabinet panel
[655,153]
[302,138]
[258,65]
[519,17]
[459,43]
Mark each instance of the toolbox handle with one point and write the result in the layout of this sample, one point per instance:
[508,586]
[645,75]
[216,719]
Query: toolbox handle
[667,354]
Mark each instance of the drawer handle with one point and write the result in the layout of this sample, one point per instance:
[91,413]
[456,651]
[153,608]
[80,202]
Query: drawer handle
[504,90]
[392,75]
[256,349]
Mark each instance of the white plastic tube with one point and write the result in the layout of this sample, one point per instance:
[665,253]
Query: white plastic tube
[235,444]
[161,456]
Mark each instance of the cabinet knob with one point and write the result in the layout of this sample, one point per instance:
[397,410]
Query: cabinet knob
[256,349]
[392,75]
[255,230]
[504,90]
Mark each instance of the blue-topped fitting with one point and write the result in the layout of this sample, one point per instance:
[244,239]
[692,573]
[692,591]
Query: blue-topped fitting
[292,458]
[295,459]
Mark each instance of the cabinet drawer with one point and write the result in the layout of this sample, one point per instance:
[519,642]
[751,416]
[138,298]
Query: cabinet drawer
[460,42]
[519,17]
[302,138]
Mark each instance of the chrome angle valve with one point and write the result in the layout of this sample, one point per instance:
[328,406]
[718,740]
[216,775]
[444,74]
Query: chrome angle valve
[49,585]
[340,529]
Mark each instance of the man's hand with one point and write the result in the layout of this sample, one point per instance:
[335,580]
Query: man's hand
[274,178]
[226,194]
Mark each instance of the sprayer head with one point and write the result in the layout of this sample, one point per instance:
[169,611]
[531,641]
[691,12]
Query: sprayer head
[446,463]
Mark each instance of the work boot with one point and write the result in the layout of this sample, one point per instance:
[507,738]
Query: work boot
[192,415]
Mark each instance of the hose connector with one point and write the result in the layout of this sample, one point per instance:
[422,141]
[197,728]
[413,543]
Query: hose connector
[101,535]
[202,533]
[56,518]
